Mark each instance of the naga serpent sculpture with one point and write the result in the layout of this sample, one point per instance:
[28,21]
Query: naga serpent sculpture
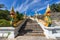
[47,19]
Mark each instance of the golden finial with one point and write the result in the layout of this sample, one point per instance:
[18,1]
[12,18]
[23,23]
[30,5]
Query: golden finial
[47,13]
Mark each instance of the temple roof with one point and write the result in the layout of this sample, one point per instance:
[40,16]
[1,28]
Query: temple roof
[48,8]
[12,11]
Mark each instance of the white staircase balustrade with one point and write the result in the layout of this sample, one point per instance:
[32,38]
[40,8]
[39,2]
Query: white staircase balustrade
[50,32]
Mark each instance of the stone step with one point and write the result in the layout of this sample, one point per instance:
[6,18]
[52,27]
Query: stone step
[32,38]
[35,28]
[31,29]
[34,34]
[37,31]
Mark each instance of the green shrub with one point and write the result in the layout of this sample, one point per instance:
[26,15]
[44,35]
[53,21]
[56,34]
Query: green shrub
[4,23]
[19,16]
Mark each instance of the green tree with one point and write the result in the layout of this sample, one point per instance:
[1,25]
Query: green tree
[55,7]
[19,15]
[58,7]
[4,14]
[1,5]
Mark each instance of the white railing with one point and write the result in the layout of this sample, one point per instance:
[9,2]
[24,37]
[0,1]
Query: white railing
[7,32]
[17,28]
[10,32]
[50,32]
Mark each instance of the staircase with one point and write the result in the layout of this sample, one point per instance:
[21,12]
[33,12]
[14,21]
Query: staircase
[31,28]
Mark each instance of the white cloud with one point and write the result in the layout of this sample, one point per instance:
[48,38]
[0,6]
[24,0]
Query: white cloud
[16,9]
[14,2]
[40,9]
[40,14]
[46,2]
[19,8]
[42,6]
[58,2]
[33,2]
[22,5]
[25,6]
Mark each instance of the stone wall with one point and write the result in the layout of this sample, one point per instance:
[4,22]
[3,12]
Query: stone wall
[55,15]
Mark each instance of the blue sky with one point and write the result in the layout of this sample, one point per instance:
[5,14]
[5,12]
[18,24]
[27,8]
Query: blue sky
[28,6]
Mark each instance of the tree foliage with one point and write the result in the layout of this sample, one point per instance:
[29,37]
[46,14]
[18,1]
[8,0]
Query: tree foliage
[2,5]
[55,7]
[19,15]
[4,14]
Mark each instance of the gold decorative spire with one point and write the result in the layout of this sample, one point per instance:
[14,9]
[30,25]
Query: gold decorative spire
[47,11]
[12,12]
[48,8]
